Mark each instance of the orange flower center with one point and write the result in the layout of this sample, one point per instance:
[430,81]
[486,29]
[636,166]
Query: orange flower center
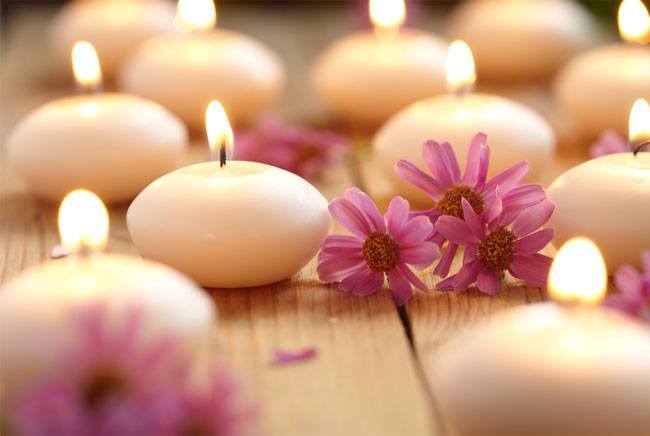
[450,203]
[381,252]
[497,250]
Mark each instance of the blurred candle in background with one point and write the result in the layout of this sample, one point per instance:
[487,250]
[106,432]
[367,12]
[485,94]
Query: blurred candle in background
[596,89]
[367,76]
[199,63]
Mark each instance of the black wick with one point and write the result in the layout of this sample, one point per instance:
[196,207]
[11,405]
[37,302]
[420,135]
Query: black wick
[222,156]
[637,149]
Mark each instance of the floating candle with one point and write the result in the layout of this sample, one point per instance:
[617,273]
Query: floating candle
[36,306]
[596,89]
[366,77]
[515,132]
[608,198]
[522,39]
[113,144]
[229,224]
[114,27]
[546,369]
[184,72]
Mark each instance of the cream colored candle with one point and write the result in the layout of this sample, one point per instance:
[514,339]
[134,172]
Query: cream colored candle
[608,199]
[596,89]
[36,307]
[522,39]
[546,369]
[366,77]
[229,224]
[514,131]
[115,27]
[113,144]
[183,72]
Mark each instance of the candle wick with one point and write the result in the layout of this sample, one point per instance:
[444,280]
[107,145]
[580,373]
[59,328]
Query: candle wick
[222,156]
[89,89]
[636,149]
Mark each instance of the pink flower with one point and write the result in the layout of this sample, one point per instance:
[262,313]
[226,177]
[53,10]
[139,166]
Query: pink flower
[498,242]
[378,247]
[609,142]
[303,151]
[447,187]
[634,290]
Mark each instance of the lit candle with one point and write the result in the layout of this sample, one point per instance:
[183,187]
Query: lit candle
[550,369]
[522,39]
[113,144]
[183,72]
[229,224]
[596,89]
[114,27]
[36,306]
[366,77]
[514,131]
[608,198]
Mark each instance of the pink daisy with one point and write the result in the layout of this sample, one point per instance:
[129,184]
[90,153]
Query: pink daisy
[634,290]
[380,246]
[498,242]
[447,187]
[302,151]
[609,142]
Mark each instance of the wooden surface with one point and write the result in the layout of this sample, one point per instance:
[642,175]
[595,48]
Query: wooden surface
[370,375]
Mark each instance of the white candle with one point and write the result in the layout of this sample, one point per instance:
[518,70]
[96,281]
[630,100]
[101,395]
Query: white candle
[113,144]
[36,306]
[522,39]
[114,27]
[547,369]
[608,199]
[366,77]
[514,131]
[596,88]
[229,224]
[185,72]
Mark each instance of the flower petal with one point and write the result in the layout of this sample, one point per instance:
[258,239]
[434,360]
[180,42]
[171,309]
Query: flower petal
[645,261]
[447,284]
[416,230]
[532,218]
[411,173]
[333,269]
[444,264]
[367,207]
[467,275]
[456,230]
[531,268]
[476,164]
[488,282]
[523,196]
[363,283]
[421,255]
[472,219]
[436,157]
[534,242]
[411,277]
[343,241]
[628,280]
[509,178]
[397,216]
[400,288]
[349,216]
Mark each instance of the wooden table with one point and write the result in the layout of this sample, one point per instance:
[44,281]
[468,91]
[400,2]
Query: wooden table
[371,375]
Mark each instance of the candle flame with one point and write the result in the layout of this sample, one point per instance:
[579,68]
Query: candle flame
[578,272]
[634,21]
[639,126]
[83,221]
[217,126]
[461,74]
[85,65]
[195,15]
[387,16]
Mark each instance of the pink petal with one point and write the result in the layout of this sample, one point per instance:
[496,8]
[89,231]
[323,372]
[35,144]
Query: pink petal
[437,159]
[397,215]
[609,142]
[531,268]
[416,230]
[411,277]
[509,178]
[494,209]
[534,242]
[363,283]
[343,241]
[472,219]
[488,282]
[350,217]
[283,357]
[447,284]
[456,230]
[628,280]
[422,254]
[523,196]
[400,288]
[59,251]
[442,269]
[470,254]
[645,261]
[367,207]
[532,218]
[477,165]
[467,275]
[419,178]
[333,269]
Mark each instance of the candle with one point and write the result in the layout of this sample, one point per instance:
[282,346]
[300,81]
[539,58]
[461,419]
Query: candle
[183,72]
[522,39]
[366,77]
[550,369]
[515,132]
[114,27]
[596,88]
[229,224]
[36,306]
[608,198]
[113,144]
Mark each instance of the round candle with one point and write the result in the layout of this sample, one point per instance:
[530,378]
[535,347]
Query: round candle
[522,39]
[596,89]
[547,369]
[514,131]
[183,72]
[366,77]
[113,144]
[229,225]
[39,302]
[114,27]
